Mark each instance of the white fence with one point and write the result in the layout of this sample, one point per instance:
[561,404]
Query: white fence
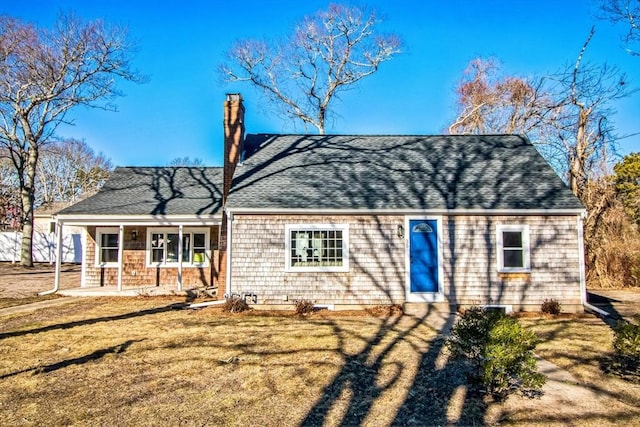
[44,247]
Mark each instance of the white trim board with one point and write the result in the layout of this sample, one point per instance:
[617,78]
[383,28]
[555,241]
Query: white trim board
[423,212]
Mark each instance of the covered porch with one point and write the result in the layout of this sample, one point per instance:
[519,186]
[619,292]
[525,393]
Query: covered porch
[136,256]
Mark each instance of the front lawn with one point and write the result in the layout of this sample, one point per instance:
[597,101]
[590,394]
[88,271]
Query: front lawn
[143,361]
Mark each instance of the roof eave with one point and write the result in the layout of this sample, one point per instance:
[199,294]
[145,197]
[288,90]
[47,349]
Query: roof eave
[300,211]
[150,220]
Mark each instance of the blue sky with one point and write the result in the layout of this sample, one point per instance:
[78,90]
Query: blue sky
[178,112]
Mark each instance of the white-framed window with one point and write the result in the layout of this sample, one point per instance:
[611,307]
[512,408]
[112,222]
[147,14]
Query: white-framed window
[107,246]
[513,248]
[317,247]
[163,247]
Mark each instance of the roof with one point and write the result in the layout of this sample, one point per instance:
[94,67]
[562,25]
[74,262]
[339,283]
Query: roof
[449,172]
[50,208]
[156,191]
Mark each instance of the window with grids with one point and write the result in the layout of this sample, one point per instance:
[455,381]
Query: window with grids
[513,248]
[107,246]
[317,248]
[163,247]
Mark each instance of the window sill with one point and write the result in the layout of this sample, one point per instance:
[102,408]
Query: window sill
[317,270]
[107,265]
[176,265]
[512,271]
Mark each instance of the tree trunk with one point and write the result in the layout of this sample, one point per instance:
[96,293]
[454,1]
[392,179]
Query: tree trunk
[577,167]
[27,193]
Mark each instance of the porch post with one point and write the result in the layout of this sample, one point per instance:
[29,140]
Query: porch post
[56,280]
[180,249]
[120,257]
[56,274]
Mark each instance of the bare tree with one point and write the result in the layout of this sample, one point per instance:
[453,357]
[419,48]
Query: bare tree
[186,161]
[43,75]
[584,130]
[69,170]
[490,102]
[628,13]
[327,53]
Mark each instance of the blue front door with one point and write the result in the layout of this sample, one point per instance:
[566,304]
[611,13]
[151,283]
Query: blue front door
[423,255]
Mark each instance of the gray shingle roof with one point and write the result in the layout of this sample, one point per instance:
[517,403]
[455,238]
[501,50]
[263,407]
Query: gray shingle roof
[395,173]
[156,191]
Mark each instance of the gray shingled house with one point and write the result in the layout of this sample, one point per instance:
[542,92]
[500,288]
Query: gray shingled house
[345,221]
[134,224]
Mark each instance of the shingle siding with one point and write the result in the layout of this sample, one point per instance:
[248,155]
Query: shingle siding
[376,267]
[470,266]
[377,261]
[135,272]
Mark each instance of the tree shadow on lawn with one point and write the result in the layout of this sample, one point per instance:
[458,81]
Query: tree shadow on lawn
[69,325]
[427,400]
[96,355]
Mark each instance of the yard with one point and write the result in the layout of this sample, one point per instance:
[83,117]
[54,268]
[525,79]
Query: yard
[145,361]
[148,361]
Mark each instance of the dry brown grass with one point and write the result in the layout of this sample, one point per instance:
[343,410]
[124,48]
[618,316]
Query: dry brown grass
[582,346]
[12,302]
[141,361]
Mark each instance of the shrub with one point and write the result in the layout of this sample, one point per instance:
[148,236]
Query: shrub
[235,304]
[386,310]
[626,346]
[499,351]
[551,306]
[303,306]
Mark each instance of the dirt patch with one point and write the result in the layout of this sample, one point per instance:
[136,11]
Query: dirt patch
[22,282]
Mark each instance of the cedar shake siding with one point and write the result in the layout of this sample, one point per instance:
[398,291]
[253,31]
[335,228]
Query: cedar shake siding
[377,266]
[471,275]
[137,273]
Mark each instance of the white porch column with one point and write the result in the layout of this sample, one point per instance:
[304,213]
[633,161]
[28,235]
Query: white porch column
[180,249]
[56,280]
[120,257]
[56,274]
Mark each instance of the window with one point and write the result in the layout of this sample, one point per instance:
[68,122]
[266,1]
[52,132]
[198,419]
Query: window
[107,246]
[317,247]
[513,248]
[164,244]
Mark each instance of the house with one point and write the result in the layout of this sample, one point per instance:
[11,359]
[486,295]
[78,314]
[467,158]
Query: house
[44,243]
[345,221]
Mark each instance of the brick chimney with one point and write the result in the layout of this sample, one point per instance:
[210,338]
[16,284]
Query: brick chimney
[233,139]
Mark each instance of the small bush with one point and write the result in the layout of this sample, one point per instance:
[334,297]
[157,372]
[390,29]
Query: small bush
[551,306]
[499,351]
[386,310]
[303,306]
[235,304]
[626,346]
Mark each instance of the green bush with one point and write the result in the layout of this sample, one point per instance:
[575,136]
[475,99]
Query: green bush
[551,306]
[626,346]
[498,349]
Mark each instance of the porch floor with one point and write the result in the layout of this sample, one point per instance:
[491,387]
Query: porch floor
[130,291]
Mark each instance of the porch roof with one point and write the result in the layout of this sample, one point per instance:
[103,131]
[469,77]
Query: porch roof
[154,194]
